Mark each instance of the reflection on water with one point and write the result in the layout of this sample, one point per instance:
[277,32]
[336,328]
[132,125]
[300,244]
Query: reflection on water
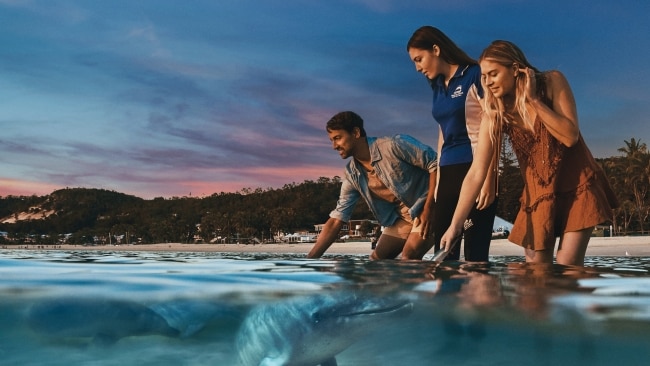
[142,308]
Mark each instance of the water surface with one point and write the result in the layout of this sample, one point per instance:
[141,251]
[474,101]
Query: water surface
[147,308]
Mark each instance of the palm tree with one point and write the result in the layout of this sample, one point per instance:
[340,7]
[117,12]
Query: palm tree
[633,148]
[636,168]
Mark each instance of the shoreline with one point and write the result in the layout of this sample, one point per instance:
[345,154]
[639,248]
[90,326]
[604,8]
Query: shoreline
[598,246]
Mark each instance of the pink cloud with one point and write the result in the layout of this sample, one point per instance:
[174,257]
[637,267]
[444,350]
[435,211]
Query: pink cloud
[261,177]
[16,187]
[229,180]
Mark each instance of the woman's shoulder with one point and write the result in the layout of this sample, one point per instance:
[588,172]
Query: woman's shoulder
[472,73]
[553,77]
[473,70]
[554,81]
[474,67]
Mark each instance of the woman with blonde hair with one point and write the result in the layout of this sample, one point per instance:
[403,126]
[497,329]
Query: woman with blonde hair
[565,192]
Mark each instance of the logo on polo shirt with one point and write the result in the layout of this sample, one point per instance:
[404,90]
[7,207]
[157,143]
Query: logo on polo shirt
[458,92]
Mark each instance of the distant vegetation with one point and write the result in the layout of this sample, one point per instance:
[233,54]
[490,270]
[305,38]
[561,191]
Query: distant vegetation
[89,215]
[81,215]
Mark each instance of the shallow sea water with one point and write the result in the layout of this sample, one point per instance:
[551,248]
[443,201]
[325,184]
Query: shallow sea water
[146,308]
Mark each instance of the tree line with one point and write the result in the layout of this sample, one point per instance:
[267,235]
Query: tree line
[81,215]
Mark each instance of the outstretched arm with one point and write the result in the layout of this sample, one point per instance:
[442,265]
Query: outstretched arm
[327,236]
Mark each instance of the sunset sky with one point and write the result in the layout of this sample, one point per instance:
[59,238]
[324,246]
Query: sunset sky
[174,98]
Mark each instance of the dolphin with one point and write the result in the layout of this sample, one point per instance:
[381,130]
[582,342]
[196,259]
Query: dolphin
[190,316]
[312,330]
[101,321]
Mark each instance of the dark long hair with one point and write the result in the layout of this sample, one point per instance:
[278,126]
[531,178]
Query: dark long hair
[425,37]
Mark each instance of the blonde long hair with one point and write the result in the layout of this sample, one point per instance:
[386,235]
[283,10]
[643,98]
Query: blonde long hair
[507,54]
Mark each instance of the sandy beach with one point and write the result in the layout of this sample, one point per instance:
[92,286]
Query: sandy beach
[598,246]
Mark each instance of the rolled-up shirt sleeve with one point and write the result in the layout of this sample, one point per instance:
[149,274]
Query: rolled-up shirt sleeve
[347,200]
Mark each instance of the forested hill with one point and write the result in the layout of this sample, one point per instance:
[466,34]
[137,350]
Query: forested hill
[89,214]
[86,215]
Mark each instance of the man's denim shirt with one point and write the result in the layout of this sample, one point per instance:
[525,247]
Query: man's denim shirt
[403,164]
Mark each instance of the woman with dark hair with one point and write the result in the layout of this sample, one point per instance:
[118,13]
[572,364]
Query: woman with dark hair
[565,191]
[455,81]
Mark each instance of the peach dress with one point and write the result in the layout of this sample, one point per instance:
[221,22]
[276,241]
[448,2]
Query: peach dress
[564,188]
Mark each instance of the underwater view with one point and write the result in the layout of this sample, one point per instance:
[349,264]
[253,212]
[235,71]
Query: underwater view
[175,308]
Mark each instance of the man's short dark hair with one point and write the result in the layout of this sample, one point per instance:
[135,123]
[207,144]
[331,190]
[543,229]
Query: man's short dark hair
[346,121]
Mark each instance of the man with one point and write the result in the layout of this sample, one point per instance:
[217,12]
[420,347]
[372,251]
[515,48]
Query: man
[396,176]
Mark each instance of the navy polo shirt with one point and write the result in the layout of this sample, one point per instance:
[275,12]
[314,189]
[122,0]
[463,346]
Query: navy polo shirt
[457,111]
